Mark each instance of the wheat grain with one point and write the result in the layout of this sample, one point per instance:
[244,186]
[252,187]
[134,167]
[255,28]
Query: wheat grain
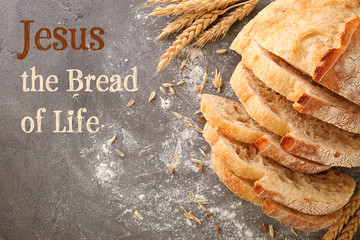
[221,51]
[168,85]
[130,103]
[163,90]
[193,6]
[199,130]
[200,121]
[203,153]
[208,214]
[197,112]
[187,36]
[222,27]
[196,160]
[205,76]
[138,215]
[294,232]
[191,195]
[178,115]
[183,64]
[152,96]
[201,167]
[348,232]
[348,211]
[180,83]
[113,139]
[172,90]
[202,208]
[120,153]
[271,231]
[188,123]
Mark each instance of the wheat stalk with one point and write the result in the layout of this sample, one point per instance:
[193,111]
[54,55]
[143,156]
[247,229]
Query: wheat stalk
[192,6]
[226,22]
[187,36]
[181,22]
[348,232]
[348,211]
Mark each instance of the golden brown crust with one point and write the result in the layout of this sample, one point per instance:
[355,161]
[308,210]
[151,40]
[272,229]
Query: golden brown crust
[295,144]
[272,149]
[299,220]
[225,152]
[241,187]
[309,99]
[311,46]
[330,57]
[245,132]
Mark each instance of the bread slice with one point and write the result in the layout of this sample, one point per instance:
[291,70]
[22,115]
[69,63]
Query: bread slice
[270,146]
[240,186]
[309,35]
[243,189]
[231,119]
[315,194]
[304,135]
[344,77]
[309,98]
[299,220]
[245,166]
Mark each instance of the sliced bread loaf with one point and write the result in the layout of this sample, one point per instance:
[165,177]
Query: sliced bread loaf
[295,86]
[243,188]
[315,194]
[310,137]
[231,120]
[299,220]
[309,35]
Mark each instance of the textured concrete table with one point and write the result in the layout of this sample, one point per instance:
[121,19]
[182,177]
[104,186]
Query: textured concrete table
[74,185]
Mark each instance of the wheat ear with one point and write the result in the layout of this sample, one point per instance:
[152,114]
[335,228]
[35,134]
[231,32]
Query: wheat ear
[348,232]
[226,22]
[181,22]
[348,211]
[187,36]
[192,6]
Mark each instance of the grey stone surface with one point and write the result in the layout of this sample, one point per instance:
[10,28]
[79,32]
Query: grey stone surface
[74,185]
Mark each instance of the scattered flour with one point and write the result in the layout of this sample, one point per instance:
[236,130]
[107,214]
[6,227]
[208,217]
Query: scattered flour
[104,173]
[141,197]
[165,103]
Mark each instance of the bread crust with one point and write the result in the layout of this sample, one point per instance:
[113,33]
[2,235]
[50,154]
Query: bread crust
[236,130]
[331,56]
[213,109]
[254,105]
[279,76]
[241,187]
[312,46]
[272,149]
[226,154]
[299,220]
[294,141]
[344,76]
[295,144]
